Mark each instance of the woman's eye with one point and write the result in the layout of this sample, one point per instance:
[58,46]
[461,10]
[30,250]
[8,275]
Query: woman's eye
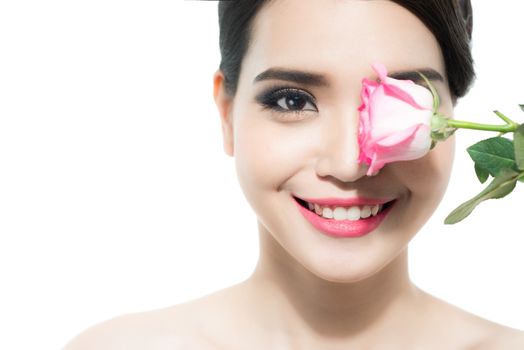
[288,101]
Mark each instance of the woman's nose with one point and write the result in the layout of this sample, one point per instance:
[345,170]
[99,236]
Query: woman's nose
[339,152]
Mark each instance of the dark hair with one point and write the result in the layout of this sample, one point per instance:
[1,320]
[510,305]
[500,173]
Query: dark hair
[450,21]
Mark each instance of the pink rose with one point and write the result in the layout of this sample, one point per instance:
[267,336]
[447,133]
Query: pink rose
[395,120]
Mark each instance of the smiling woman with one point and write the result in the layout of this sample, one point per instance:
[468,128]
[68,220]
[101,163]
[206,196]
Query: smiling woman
[333,268]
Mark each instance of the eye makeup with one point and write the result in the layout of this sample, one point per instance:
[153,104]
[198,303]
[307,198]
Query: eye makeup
[291,104]
[287,102]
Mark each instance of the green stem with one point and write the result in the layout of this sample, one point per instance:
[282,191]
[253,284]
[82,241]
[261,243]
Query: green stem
[503,117]
[477,126]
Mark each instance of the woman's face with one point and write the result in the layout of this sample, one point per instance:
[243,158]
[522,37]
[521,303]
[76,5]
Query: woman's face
[313,153]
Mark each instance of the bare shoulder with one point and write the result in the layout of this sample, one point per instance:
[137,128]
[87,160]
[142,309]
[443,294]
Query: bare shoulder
[162,329]
[193,324]
[513,340]
[473,332]
[502,337]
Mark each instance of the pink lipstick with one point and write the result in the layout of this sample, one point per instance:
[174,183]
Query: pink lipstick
[344,228]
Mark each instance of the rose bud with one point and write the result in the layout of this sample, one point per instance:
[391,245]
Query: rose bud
[395,120]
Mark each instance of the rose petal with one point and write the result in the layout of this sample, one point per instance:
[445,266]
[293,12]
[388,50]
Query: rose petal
[409,144]
[390,114]
[398,92]
[419,93]
[380,69]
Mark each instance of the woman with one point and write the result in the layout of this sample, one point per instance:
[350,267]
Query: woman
[288,92]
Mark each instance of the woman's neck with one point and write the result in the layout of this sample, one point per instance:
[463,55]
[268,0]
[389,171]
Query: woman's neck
[292,300]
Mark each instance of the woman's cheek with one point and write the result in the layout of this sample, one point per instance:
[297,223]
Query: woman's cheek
[269,152]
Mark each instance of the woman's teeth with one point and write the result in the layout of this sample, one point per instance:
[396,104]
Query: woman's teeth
[342,213]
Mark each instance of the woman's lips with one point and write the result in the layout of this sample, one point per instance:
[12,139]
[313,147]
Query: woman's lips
[346,228]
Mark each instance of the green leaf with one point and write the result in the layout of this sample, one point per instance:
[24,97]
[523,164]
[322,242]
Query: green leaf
[521,177]
[494,154]
[522,107]
[482,173]
[501,186]
[518,140]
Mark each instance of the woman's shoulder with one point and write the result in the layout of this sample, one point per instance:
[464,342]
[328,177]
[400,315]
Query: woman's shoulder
[507,339]
[169,328]
[498,336]
[188,325]
[473,331]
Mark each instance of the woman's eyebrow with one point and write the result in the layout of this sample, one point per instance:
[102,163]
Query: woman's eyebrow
[315,79]
[293,75]
[413,75]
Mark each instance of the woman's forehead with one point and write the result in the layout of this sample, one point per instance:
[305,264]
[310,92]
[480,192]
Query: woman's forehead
[338,35]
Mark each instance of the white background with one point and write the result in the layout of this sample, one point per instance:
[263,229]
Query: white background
[116,195]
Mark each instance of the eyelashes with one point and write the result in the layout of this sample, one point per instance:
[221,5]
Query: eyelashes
[287,102]
[291,104]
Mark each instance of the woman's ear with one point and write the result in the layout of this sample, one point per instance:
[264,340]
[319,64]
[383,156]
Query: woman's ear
[224,104]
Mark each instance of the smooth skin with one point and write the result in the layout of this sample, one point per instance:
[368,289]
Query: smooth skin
[310,291]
